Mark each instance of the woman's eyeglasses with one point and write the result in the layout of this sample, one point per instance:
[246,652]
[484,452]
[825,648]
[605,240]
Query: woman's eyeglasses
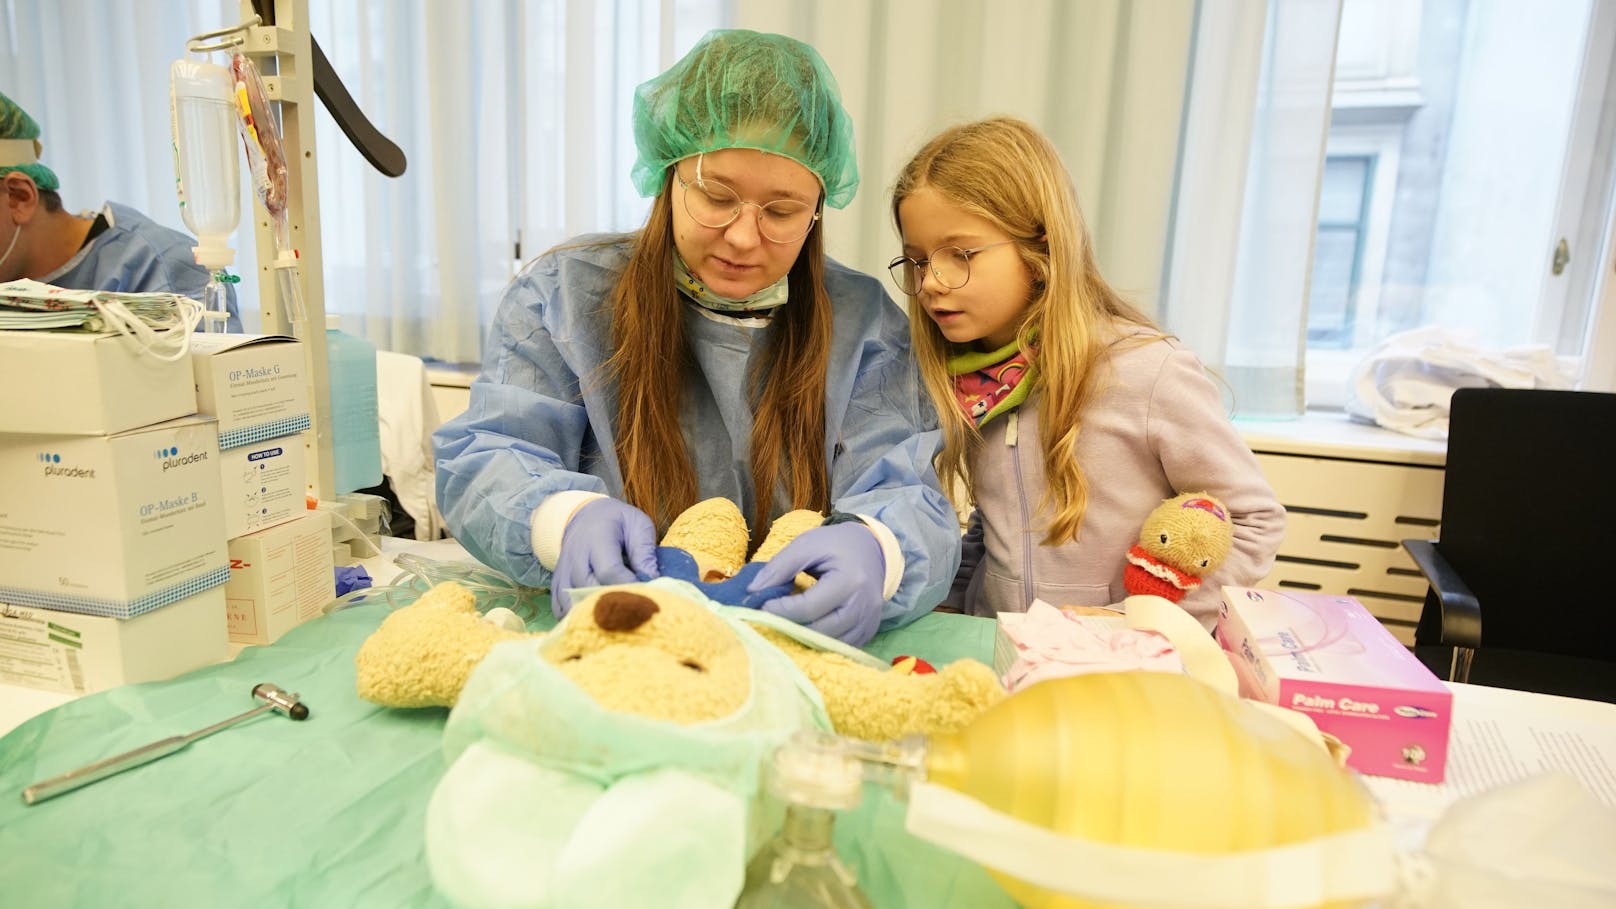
[714,204]
[950,265]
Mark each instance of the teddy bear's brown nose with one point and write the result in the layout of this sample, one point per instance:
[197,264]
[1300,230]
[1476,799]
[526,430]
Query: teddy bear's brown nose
[619,610]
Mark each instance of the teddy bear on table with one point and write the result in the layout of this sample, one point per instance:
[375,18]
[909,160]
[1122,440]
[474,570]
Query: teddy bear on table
[422,654]
[1182,540]
[572,752]
[649,705]
[616,754]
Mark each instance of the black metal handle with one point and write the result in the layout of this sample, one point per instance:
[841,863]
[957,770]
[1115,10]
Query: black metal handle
[382,153]
[1461,612]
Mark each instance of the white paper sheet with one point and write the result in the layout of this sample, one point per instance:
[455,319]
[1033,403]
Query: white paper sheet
[1500,736]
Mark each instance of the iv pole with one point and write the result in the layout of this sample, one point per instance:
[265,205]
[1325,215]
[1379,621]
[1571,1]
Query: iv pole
[294,70]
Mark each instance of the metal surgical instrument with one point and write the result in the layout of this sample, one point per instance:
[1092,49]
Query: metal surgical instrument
[274,697]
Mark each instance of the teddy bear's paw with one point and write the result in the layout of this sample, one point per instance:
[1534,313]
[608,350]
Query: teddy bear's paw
[422,654]
[448,596]
[966,689]
[786,528]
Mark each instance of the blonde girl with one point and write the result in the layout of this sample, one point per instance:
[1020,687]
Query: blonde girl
[1066,414]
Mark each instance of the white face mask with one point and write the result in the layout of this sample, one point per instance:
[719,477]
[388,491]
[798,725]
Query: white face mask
[1347,866]
[768,298]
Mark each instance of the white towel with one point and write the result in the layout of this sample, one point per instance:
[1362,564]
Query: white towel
[1407,381]
[408,415]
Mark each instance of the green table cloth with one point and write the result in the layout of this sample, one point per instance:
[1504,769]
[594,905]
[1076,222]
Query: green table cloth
[329,811]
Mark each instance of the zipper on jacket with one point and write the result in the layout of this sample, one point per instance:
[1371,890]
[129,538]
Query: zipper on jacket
[1026,516]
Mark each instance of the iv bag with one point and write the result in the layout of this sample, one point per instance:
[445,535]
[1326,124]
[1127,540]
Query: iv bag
[207,172]
[261,137]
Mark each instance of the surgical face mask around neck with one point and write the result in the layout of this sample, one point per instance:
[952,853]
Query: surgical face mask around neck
[768,298]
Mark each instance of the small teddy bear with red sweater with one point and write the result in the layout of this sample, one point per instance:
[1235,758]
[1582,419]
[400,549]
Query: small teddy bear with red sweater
[1183,540]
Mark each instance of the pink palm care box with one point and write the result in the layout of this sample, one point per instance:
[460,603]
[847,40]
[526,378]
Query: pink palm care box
[1327,657]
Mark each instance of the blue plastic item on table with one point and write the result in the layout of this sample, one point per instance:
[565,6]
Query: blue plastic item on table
[674,562]
[350,578]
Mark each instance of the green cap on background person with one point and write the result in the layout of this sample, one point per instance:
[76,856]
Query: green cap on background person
[20,146]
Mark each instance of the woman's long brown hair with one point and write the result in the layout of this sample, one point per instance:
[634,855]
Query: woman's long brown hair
[651,363]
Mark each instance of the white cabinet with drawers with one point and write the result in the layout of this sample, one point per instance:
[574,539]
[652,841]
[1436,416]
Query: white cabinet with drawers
[451,387]
[1351,493]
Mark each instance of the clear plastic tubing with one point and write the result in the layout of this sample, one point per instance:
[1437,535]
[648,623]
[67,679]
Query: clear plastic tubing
[216,299]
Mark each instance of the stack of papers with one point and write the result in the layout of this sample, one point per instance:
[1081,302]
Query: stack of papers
[29,304]
[1500,736]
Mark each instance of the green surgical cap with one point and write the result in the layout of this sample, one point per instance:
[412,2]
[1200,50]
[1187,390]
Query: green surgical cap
[17,125]
[744,89]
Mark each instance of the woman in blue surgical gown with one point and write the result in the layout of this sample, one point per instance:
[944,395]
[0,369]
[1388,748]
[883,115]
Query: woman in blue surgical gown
[714,352]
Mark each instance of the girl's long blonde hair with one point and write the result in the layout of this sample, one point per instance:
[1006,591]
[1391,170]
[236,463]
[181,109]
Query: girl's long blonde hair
[1004,170]
[651,363]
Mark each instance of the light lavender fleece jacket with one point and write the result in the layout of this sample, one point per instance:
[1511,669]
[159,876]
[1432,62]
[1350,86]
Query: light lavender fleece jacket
[1156,428]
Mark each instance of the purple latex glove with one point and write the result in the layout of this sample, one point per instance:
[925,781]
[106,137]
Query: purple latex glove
[850,568]
[606,542]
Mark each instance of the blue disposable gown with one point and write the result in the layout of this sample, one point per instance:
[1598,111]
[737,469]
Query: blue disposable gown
[137,255]
[541,419]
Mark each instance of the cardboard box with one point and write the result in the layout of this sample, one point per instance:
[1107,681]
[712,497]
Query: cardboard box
[265,483]
[80,654]
[279,578]
[1005,649]
[74,383]
[1327,657]
[253,385]
[111,525]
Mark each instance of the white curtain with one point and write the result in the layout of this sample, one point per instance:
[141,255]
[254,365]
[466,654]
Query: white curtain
[1241,260]
[1105,79]
[100,95]
[1194,130]
[515,119]
[513,114]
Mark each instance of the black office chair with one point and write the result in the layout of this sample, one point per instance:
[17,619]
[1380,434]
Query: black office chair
[1523,579]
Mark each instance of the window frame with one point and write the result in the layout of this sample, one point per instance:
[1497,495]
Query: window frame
[1327,371]
[1586,213]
